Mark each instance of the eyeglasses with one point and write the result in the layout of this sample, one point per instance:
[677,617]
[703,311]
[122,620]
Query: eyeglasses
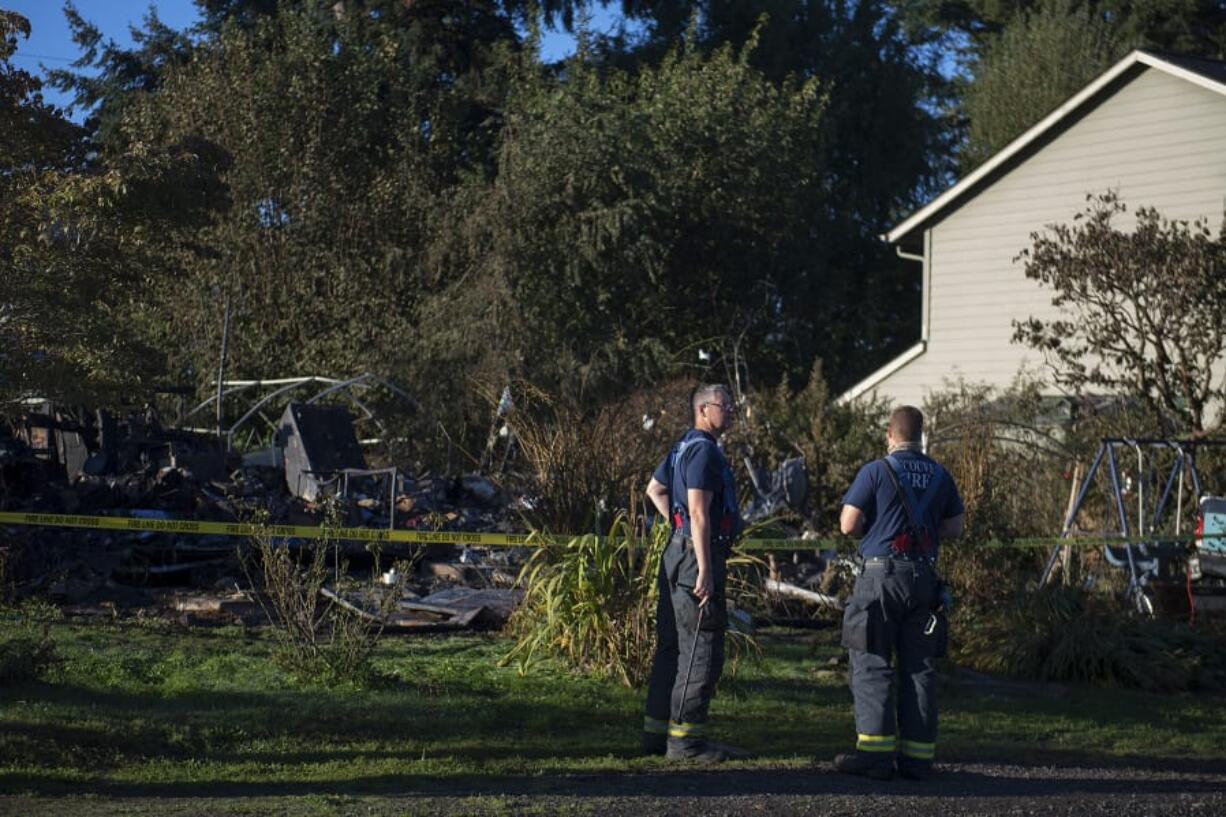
[727,408]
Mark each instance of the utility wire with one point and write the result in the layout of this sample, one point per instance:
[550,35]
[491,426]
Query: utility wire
[44,57]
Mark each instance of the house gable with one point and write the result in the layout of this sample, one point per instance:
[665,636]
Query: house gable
[1153,136]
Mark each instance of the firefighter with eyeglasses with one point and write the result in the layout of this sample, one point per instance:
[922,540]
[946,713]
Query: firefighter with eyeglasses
[693,488]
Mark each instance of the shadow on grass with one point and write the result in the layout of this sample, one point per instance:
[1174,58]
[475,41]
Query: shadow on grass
[97,729]
[776,691]
[1122,711]
[1031,783]
[118,727]
[325,742]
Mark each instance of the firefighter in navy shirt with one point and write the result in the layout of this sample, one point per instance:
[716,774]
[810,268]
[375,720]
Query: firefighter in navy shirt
[902,506]
[693,487]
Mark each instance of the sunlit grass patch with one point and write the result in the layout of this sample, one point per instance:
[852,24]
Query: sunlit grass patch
[164,712]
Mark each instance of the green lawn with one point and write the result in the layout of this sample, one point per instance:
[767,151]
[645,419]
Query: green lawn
[147,710]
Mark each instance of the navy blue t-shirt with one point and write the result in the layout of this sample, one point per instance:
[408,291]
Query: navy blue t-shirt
[874,494]
[696,461]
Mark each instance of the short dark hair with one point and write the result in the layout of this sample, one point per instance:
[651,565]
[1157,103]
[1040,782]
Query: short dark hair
[907,423]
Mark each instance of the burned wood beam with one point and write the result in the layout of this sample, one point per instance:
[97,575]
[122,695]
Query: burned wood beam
[793,592]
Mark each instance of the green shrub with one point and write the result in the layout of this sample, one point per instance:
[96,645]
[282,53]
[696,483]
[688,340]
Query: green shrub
[581,466]
[27,649]
[1061,634]
[320,640]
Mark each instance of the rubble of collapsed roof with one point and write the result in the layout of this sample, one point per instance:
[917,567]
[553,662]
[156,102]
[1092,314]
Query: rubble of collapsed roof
[62,460]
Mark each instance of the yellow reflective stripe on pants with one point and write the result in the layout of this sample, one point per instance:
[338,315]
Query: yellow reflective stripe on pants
[684,730]
[876,743]
[654,726]
[919,750]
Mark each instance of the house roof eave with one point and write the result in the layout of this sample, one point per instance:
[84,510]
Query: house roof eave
[1134,63]
[875,379]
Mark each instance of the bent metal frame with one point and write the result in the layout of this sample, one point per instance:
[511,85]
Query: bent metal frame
[1141,560]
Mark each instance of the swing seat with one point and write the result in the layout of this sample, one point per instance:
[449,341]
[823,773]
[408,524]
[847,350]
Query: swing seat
[1143,556]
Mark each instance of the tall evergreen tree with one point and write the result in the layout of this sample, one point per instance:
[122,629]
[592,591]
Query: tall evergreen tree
[1196,27]
[109,76]
[1040,60]
[448,41]
[1021,58]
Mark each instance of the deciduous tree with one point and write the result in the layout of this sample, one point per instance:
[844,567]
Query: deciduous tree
[339,144]
[79,244]
[1144,309]
[636,217]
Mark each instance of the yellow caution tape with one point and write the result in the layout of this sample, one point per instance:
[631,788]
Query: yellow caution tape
[187,526]
[133,524]
[424,537]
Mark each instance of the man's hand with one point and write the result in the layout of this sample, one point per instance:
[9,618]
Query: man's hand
[704,588]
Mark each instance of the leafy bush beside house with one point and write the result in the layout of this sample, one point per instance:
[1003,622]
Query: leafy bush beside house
[1145,309]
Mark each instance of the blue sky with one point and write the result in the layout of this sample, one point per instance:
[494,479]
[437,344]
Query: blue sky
[51,46]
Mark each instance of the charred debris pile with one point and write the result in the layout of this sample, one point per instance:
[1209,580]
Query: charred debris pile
[298,459]
[72,461]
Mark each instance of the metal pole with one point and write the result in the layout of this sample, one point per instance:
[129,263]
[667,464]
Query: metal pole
[1140,491]
[685,688]
[1176,472]
[1133,583]
[221,368]
[1179,497]
[1086,483]
[1114,471]
[391,500]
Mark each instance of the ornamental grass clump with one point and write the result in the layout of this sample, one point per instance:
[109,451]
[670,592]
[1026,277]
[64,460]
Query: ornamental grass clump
[580,466]
[591,603]
[1062,634]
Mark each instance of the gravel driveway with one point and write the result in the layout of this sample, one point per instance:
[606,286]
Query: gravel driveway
[991,789]
[960,789]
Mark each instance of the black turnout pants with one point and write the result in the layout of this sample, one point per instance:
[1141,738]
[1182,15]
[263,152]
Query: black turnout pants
[888,616]
[679,692]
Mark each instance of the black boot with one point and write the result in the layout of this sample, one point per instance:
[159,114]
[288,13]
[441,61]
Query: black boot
[914,769]
[653,743]
[877,766]
[705,751]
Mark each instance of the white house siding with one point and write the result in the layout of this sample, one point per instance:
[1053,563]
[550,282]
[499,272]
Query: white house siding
[1159,141]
